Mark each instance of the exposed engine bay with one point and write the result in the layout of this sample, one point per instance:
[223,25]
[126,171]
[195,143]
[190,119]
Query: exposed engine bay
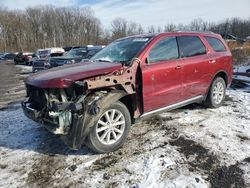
[54,107]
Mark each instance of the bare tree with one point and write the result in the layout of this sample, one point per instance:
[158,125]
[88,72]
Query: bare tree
[48,26]
[119,28]
[170,27]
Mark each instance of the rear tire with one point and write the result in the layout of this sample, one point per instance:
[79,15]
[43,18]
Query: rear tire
[110,130]
[216,94]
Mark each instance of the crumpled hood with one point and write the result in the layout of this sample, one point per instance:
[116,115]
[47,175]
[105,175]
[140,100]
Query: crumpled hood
[61,77]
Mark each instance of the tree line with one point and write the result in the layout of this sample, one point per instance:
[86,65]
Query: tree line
[47,26]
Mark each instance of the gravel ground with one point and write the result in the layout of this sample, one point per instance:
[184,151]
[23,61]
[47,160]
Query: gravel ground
[188,147]
[12,88]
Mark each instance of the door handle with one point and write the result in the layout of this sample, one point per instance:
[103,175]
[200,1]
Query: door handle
[178,67]
[212,61]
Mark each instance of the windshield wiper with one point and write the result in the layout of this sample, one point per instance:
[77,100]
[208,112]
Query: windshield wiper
[106,60]
[103,60]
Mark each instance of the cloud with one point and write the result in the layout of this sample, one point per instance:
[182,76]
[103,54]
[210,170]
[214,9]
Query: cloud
[22,4]
[149,12]
[162,12]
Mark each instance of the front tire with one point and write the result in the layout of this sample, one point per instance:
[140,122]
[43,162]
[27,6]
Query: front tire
[111,129]
[216,94]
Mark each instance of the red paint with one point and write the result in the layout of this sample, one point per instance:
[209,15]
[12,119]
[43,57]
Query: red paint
[54,78]
[163,83]
[171,85]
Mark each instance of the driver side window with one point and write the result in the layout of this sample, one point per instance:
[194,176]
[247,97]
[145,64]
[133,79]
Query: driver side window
[165,49]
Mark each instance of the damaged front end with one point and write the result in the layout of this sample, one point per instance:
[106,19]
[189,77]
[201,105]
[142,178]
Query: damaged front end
[54,108]
[70,112]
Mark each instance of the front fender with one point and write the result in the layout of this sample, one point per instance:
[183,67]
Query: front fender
[94,106]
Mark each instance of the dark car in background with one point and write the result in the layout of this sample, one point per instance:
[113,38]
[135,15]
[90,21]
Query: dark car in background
[23,58]
[68,48]
[75,55]
[8,56]
[2,54]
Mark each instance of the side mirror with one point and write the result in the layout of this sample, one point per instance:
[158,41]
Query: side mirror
[147,61]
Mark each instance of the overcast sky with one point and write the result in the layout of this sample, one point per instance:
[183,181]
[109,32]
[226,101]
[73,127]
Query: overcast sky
[150,12]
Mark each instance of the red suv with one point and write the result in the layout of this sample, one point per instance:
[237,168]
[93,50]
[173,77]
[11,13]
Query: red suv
[133,78]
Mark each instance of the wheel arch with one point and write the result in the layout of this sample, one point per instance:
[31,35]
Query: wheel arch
[221,73]
[93,105]
[130,103]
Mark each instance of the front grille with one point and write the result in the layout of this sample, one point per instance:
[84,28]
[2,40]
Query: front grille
[57,62]
[38,63]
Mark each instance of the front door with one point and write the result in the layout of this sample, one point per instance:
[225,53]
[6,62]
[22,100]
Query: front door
[162,75]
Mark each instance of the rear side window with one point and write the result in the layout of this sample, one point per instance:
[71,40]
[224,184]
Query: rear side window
[190,46]
[216,44]
[165,49]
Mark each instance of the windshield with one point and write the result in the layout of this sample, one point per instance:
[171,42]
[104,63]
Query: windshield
[123,50]
[78,52]
[43,53]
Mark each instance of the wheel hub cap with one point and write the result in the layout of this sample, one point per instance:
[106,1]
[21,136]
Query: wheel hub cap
[218,93]
[110,127]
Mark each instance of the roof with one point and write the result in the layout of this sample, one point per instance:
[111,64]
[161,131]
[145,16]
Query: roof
[197,32]
[189,33]
[139,36]
[151,35]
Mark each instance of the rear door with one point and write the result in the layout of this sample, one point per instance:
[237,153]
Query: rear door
[220,58]
[161,75]
[195,66]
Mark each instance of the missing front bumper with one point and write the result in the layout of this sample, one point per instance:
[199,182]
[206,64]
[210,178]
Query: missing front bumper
[76,133]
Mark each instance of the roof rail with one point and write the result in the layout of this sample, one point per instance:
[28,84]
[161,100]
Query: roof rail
[208,32]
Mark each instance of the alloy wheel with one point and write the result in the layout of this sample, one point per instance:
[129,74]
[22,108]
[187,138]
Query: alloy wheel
[110,127]
[218,93]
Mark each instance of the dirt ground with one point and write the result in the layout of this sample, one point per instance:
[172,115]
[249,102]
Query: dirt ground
[12,88]
[188,147]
